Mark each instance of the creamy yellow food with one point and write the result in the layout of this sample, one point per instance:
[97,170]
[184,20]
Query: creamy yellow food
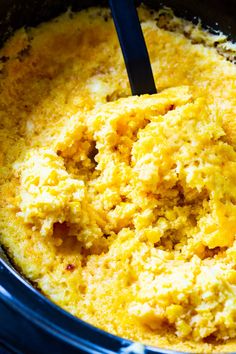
[123,209]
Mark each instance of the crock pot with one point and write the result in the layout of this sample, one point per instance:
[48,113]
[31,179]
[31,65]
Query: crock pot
[30,323]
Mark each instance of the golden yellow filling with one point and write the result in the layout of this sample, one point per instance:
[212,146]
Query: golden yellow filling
[123,209]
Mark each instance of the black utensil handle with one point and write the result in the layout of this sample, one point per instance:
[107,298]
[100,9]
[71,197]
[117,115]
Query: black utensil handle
[133,46]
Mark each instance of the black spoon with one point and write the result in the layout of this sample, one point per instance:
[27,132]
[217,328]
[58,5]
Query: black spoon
[133,46]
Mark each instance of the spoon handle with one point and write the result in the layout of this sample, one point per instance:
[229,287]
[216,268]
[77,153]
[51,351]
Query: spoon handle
[133,46]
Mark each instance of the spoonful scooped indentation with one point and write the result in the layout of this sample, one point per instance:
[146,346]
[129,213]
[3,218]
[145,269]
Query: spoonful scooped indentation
[133,46]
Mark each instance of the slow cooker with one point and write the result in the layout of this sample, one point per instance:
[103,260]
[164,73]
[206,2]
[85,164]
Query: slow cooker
[30,323]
